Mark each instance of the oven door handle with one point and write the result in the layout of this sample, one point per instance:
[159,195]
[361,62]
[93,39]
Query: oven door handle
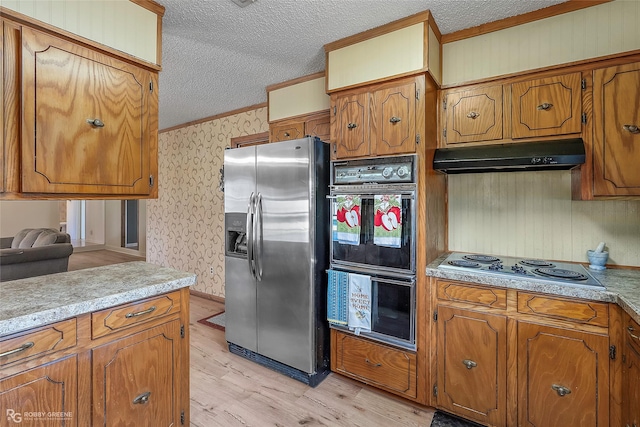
[394,282]
[410,194]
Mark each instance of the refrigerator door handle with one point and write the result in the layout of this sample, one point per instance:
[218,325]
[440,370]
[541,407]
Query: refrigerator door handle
[258,237]
[250,243]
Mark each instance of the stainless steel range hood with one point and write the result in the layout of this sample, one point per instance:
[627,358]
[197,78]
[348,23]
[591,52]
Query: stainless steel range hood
[523,156]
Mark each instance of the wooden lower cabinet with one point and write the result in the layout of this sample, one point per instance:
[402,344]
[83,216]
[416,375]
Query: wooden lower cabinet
[137,375]
[132,390]
[563,377]
[385,367]
[44,396]
[472,364]
[513,358]
[631,375]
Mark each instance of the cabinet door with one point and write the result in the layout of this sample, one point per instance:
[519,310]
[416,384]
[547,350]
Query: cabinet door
[473,115]
[563,377]
[286,131]
[85,120]
[29,398]
[631,376]
[471,359]
[135,379]
[319,126]
[352,126]
[616,127]
[550,106]
[393,121]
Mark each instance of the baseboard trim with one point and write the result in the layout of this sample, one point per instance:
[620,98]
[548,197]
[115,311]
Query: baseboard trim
[125,251]
[206,296]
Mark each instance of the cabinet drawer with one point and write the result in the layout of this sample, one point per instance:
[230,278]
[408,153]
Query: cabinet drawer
[115,319]
[38,342]
[488,297]
[390,368]
[587,312]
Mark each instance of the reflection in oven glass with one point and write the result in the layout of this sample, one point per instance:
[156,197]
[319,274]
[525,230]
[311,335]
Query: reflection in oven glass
[369,254]
[391,310]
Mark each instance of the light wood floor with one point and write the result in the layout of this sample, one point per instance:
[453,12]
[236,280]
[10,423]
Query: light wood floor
[82,260]
[228,390]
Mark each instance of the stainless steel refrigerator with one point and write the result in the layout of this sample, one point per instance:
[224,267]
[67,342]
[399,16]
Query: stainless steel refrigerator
[276,234]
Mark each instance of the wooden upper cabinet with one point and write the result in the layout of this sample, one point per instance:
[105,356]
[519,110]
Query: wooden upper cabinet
[319,125]
[549,106]
[286,131]
[248,140]
[351,135]
[472,364]
[616,137]
[473,115]
[378,120]
[89,122]
[393,128]
[563,377]
[314,124]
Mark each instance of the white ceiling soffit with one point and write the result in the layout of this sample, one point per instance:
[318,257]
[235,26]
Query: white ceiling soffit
[218,57]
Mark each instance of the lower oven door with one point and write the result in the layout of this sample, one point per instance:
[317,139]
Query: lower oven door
[368,251]
[393,303]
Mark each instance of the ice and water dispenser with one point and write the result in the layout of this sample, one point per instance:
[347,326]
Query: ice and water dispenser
[236,234]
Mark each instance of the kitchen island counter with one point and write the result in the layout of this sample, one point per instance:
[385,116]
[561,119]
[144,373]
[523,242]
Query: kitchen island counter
[621,286]
[37,301]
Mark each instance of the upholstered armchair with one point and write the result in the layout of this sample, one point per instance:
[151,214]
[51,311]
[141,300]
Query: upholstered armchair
[34,252]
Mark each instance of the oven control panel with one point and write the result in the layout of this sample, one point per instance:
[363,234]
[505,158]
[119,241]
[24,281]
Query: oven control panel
[374,171]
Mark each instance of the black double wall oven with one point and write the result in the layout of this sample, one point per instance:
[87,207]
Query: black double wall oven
[378,196]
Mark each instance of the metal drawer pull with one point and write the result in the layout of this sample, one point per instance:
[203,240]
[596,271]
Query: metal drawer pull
[96,122]
[23,347]
[631,128]
[562,391]
[287,134]
[631,329]
[469,363]
[395,119]
[473,115]
[351,126]
[141,313]
[142,399]
[545,106]
[376,365]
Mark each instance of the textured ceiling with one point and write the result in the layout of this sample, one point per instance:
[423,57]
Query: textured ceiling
[218,57]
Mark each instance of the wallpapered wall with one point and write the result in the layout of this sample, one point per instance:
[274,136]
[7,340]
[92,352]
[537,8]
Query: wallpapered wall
[185,224]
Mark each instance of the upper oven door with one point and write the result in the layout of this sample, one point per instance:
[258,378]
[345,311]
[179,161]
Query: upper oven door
[387,255]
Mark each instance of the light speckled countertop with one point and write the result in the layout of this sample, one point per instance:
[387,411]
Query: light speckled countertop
[622,285]
[37,301]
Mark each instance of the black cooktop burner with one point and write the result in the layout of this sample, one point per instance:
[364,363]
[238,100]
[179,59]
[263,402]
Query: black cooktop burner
[463,263]
[561,273]
[536,263]
[481,258]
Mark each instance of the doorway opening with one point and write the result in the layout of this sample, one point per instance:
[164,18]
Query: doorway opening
[130,230]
